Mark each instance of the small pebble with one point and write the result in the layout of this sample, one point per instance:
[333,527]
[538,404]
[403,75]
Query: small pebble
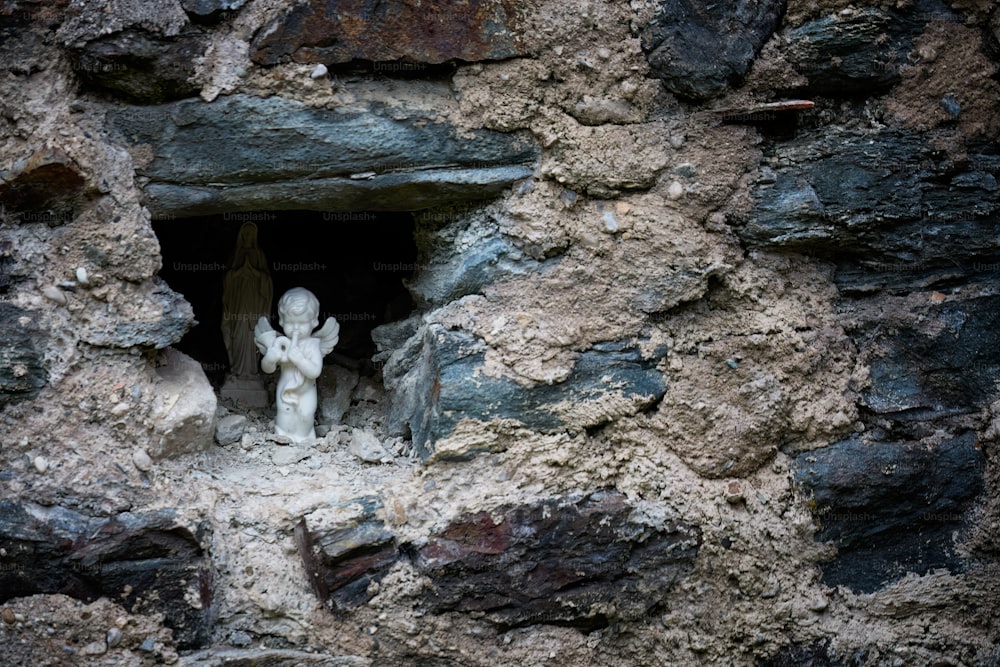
[732,363]
[8,616]
[676,190]
[677,140]
[568,198]
[147,644]
[819,604]
[114,637]
[319,71]
[685,169]
[610,222]
[141,460]
[230,429]
[94,648]
[951,106]
[82,276]
[734,493]
[366,446]
[53,293]
[284,456]
[41,465]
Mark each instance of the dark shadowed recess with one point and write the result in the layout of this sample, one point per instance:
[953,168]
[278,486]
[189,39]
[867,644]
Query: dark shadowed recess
[354,262]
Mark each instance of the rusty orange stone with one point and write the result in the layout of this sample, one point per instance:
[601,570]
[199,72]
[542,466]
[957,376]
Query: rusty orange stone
[431,32]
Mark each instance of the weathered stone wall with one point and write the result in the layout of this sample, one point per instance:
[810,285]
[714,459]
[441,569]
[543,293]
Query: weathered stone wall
[689,379]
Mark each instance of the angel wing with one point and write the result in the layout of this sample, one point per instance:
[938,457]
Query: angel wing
[328,336]
[264,335]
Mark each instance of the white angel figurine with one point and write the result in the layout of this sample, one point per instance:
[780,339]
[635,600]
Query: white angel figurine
[300,354]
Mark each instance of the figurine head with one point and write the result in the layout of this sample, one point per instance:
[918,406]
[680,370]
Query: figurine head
[247,237]
[298,312]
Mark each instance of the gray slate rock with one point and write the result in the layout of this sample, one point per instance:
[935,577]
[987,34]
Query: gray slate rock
[341,560]
[948,364]
[155,555]
[470,270]
[891,508]
[436,381]
[209,10]
[391,336]
[140,67]
[861,52]
[22,372]
[699,48]
[366,446]
[283,155]
[879,199]
[289,455]
[230,429]
[176,317]
[268,657]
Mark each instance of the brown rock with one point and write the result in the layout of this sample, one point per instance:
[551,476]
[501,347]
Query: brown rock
[8,616]
[734,493]
[339,31]
[21,13]
[568,561]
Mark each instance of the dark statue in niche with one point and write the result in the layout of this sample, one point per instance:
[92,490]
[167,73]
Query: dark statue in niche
[246,297]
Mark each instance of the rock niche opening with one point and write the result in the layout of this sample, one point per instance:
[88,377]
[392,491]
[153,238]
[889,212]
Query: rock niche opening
[354,262]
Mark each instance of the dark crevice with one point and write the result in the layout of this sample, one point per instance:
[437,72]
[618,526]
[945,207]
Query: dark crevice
[396,69]
[355,264]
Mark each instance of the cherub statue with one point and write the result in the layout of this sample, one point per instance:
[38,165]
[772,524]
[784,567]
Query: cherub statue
[300,354]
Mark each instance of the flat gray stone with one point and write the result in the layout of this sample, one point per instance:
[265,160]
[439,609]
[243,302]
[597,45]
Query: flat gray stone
[230,429]
[268,658]
[284,456]
[283,155]
[205,8]
[366,446]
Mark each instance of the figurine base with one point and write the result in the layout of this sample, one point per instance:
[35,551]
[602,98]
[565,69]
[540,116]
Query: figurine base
[246,392]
